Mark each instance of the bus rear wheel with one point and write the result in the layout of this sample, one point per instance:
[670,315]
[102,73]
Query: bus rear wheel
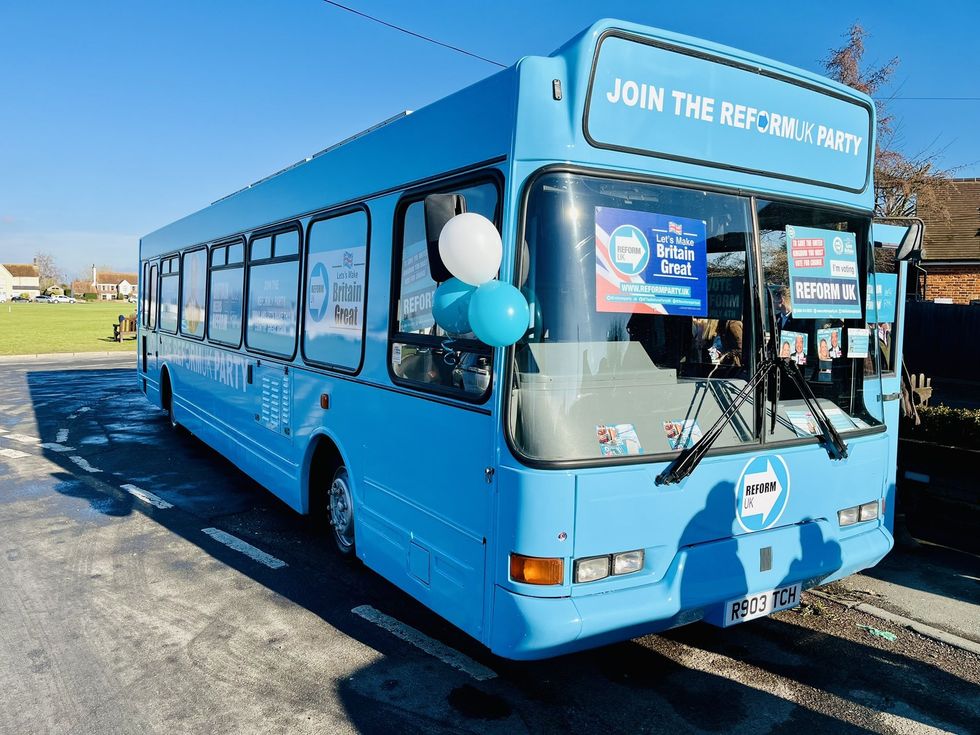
[168,401]
[341,508]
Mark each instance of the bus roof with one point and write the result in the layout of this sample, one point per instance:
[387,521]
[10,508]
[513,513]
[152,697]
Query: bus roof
[619,96]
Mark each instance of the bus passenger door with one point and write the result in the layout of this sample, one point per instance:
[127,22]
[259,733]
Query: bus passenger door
[427,490]
[427,500]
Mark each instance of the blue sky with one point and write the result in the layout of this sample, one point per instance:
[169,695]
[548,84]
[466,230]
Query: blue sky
[117,117]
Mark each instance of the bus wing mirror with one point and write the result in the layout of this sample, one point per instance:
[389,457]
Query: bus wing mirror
[439,209]
[902,234]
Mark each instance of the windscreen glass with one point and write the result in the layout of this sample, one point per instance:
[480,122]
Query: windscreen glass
[641,319]
[816,267]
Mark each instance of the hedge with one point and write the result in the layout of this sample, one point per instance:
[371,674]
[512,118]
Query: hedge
[954,427]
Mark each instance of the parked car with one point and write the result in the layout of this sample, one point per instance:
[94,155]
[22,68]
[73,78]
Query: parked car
[131,299]
[21,297]
[3,298]
[63,299]
[45,299]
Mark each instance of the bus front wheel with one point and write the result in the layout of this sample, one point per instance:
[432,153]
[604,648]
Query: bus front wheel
[342,512]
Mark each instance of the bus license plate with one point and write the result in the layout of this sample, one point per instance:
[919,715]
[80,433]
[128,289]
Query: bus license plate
[762,604]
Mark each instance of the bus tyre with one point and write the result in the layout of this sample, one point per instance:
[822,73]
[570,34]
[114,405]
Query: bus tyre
[170,414]
[341,508]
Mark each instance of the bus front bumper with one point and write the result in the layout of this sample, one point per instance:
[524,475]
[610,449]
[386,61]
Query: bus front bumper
[527,628]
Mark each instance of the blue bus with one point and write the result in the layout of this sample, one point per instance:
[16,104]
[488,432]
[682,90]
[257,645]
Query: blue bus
[696,419]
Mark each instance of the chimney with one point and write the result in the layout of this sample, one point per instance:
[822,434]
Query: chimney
[94,280]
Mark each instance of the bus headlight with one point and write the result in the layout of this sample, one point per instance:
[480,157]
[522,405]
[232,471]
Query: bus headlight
[628,562]
[858,513]
[594,568]
[591,569]
[868,511]
[848,516]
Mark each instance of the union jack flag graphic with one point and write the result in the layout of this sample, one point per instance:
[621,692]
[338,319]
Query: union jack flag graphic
[674,228]
[348,259]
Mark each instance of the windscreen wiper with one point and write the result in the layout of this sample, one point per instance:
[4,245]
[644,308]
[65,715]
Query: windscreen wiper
[689,458]
[769,364]
[833,442]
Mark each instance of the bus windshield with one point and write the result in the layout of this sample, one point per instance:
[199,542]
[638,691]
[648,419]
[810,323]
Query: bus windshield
[624,360]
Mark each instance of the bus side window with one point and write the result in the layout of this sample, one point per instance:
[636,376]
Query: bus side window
[421,353]
[273,290]
[193,290]
[151,287]
[144,291]
[336,290]
[169,282]
[227,285]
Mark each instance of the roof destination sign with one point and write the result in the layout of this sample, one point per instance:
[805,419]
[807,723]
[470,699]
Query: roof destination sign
[664,102]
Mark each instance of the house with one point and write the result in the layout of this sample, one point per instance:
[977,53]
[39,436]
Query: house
[19,278]
[108,285]
[951,251]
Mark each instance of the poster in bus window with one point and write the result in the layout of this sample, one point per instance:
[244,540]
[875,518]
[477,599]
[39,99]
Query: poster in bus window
[793,345]
[648,263]
[417,289]
[828,343]
[617,440]
[682,433]
[335,305]
[858,342]
[725,297]
[882,295]
[823,273]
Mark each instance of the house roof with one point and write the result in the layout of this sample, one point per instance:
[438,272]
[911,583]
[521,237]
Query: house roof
[957,238]
[22,270]
[116,278]
[78,287]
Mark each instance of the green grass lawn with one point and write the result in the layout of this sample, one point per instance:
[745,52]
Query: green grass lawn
[28,329]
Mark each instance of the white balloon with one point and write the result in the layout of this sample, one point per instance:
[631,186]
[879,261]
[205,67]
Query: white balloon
[470,248]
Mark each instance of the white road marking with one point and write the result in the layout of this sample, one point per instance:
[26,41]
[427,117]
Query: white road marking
[13,454]
[146,496]
[81,462]
[420,640]
[62,436]
[233,542]
[23,438]
[2,430]
[55,447]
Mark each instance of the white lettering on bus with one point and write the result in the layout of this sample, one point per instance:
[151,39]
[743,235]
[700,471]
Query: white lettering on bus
[630,93]
[646,96]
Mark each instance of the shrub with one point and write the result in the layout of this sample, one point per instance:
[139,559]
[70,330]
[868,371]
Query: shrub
[955,427]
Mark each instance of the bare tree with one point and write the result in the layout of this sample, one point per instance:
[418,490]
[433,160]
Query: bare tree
[904,185]
[49,274]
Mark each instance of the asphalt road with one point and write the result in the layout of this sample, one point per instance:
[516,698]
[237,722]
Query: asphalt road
[120,614]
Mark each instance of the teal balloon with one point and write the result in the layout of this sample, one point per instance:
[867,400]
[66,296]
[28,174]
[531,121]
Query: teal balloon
[499,314]
[451,306]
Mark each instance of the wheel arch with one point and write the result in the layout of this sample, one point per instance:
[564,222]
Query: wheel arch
[322,458]
[166,386]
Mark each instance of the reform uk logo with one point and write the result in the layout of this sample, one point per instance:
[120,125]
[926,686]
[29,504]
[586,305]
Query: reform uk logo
[630,249]
[318,292]
[762,492]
